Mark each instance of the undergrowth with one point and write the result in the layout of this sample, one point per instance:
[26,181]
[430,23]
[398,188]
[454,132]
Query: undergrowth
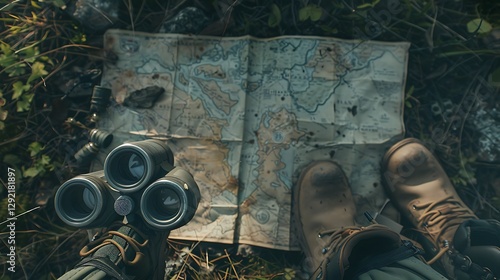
[46,57]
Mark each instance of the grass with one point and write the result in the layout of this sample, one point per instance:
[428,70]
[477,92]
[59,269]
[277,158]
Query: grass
[453,60]
[195,260]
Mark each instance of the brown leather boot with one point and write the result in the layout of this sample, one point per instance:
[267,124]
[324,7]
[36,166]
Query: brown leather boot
[322,201]
[419,187]
[324,212]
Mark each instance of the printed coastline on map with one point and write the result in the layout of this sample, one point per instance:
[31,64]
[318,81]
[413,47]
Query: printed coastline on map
[245,115]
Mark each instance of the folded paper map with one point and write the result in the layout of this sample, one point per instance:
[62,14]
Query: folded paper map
[245,115]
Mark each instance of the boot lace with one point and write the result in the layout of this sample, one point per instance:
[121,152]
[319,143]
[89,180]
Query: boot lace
[336,236]
[438,217]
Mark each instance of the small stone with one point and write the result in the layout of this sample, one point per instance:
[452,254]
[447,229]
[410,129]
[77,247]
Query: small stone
[144,98]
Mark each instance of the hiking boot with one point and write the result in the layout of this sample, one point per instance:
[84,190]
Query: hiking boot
[419,187]
[478,241]
[324,211]
[123,252]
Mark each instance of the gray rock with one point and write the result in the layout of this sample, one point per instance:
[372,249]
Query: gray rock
[97,15]
[487,122]
[144,98]
[190,20]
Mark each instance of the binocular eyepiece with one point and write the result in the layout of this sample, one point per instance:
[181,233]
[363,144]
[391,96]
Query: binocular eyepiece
[138,178]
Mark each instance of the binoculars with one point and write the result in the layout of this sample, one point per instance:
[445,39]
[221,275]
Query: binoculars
[138,178]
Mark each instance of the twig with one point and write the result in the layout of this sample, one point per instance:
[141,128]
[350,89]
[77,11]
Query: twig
[19,215]
[232,265]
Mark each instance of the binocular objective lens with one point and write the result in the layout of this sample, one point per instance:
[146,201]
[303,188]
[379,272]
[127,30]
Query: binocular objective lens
[132,166]
[84,201]
[170,202]
[136,166]
[88,198]
[128,168]
[166,203]
[79,202]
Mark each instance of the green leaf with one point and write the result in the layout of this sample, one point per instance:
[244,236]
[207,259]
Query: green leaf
[8,57]
[3,114]
[316,13]
[289,273]
[16,69]
[410,91]
[3,101]
[25,102]
[7,60]
[37,71]
[478,25]
[275,16]
[45,160]
[5,49]
[11,159]
[34,4]
[304,13]
[45,58]
[30,54]
[310,11]
[32,171]
[19,88]
[35,148]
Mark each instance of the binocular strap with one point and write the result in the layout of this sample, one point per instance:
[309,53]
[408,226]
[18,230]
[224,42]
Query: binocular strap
[112,253]
[104,264]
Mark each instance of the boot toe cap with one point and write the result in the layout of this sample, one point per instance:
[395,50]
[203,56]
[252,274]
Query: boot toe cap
[409,152]
[324,173]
